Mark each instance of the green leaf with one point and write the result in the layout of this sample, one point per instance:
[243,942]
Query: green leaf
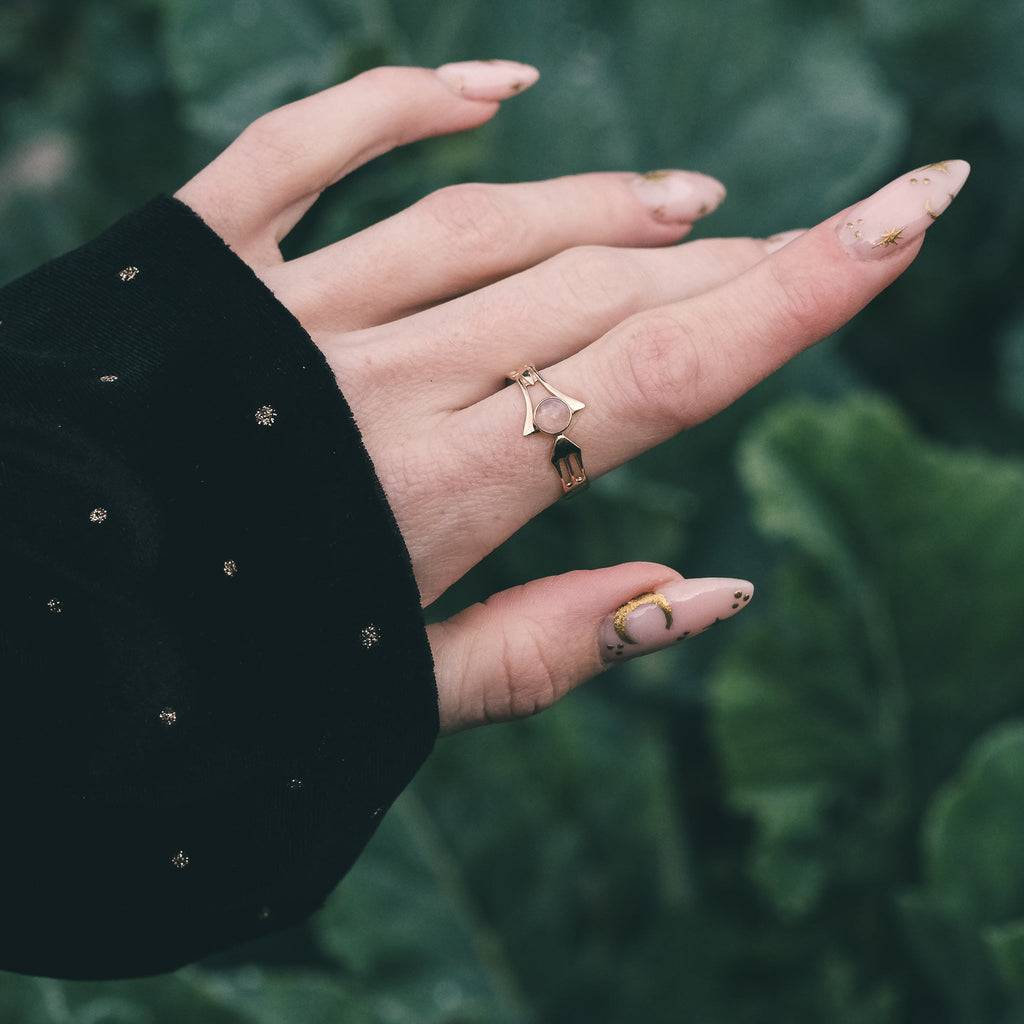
[167,999]
[1006,943]
[233,61]
[967,919]
[404,926]
[260,996]
[846,696]
[974,832]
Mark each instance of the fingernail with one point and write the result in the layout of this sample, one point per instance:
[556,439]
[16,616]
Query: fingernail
[678,197]
[777,242]
[487,79]
[902,211]
[676,612]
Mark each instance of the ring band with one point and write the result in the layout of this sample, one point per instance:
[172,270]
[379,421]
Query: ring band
[553,415]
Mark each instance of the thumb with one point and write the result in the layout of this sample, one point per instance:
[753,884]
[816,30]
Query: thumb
[525,648]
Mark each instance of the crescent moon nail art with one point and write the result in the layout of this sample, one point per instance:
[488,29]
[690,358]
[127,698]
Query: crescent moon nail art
[672,613]
[622,614]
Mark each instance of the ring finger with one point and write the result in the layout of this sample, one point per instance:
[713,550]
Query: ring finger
[666,370]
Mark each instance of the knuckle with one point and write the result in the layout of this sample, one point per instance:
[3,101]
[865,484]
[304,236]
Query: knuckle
[599,280]
[273,145]
[383,78]
[662,365]
[802,301]
[475,217]
[520,691]
[268,129]
[725,258]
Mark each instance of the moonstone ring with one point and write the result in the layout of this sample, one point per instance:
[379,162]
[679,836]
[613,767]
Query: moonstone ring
[552,414]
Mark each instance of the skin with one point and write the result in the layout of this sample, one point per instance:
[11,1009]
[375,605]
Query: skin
[575,275]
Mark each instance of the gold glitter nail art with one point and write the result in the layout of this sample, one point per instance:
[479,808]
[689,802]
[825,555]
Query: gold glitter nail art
[619,620]
[266,415]
[891,237]
[128,274]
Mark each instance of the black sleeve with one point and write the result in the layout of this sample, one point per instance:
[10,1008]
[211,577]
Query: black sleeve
[214,676]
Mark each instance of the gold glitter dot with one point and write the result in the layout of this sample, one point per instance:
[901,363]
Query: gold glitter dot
[169,716]
[230,567]
[180,860]
[98,515]
[370,636]
[265,914]
[108,378]
[54,605]
[128,274]
[266,415]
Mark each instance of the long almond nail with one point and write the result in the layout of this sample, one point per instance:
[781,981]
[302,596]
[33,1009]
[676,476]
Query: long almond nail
[679,197]
[678,611]
[902,211]
[487,79]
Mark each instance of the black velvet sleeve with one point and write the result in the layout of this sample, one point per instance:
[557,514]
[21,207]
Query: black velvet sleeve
[214,676]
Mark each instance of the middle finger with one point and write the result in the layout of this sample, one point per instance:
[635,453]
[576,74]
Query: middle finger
[466,236]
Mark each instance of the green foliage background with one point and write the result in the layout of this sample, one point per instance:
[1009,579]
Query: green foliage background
[811,815]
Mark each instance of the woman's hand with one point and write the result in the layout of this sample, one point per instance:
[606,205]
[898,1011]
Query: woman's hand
[423,316]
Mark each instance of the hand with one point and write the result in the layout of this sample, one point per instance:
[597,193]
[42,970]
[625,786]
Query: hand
[422,316]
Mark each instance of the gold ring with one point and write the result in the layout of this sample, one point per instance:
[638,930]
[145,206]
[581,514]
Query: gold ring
[553,415]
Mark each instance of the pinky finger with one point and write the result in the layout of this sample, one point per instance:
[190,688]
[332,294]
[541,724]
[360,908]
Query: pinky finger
[523,649]
[258,188]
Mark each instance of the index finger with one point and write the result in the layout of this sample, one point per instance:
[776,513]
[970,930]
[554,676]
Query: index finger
[670,370]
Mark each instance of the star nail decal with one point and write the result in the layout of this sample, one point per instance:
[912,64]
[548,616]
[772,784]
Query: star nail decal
[890,238]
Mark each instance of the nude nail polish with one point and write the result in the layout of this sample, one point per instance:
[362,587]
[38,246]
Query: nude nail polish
[670,615]
[487,79]
[679,197]
[901,211]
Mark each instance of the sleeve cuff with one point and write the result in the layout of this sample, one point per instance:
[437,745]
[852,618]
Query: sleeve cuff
[212,648]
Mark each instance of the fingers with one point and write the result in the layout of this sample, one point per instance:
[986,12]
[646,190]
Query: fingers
[568,301]
[676,367]
[666,370]
[259,187]
[547,312]
[461,238]
[525,648]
